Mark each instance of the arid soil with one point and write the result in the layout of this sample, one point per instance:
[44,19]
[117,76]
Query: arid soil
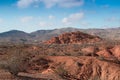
[72,68]
[62,61]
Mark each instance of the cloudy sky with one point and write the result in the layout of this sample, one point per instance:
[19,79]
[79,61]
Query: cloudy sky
[31,15]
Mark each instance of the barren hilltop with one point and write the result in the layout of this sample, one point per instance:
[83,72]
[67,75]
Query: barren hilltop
[74,38]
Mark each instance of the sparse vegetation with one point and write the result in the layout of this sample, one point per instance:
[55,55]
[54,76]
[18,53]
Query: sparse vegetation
[16,61]
[13,56]
[63,73]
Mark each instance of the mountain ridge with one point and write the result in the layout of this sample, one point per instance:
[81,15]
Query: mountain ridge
[41,35]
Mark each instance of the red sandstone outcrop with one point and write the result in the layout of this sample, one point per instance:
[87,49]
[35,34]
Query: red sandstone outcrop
[73,38]
[116,51]
[111,52]
[75,68]
[104,53]
[89,51]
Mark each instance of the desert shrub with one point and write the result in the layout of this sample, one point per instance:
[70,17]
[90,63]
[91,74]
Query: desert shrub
[101,58]
[67,54]
[62,72]
[112,59]
[52,54]
[96,78]
[18,61]
[41,62]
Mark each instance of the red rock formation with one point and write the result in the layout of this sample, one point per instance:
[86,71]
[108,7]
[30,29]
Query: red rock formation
[104,53]
[116,51]
[76,68]
[112,52]
[89,51]
[73,38]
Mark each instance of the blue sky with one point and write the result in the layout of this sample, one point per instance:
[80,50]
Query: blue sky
[32,15]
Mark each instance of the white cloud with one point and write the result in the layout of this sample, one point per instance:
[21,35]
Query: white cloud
[73,18]
[1,20]
[84,23]
[26,3]
[45,24]
[63,3]
[50,3]
[71,3]
[26,19]
[112,19]
[105,6]
[36,6]
[51,17]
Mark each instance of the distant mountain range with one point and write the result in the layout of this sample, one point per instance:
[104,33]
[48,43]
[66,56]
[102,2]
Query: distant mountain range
[41,35]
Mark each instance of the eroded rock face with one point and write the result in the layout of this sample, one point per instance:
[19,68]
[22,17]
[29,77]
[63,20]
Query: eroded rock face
[104,53]
[73,38]
[89,51]
[80,68]
[116,51]
[112,52]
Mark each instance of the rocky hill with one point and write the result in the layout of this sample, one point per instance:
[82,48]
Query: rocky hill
[42,35]
[73,38]
[14,36]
